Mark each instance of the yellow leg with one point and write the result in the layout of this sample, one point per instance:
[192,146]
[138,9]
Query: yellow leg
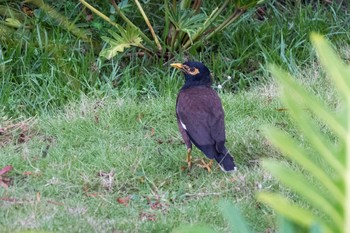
[189,158]
[206,165]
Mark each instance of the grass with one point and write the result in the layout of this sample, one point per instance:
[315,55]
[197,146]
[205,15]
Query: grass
[114,164]
[102,152]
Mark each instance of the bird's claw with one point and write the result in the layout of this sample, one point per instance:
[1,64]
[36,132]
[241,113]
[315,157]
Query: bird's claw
[205,165]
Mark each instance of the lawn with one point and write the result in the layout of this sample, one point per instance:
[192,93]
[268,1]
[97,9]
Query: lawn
[117,165]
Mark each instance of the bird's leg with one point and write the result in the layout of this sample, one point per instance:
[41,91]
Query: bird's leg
[206,165]
[189,158]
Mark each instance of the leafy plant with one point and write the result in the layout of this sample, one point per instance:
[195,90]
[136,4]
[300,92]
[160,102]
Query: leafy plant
[324,182]
[61,19]
[185,27]
[15,19]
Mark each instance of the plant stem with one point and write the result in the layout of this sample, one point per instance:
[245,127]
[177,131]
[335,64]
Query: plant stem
[236,14]
[206,24]
[144,37]
[167,22]
[173,39]
[149,25]
[99,13]
[196,5]
[233,17]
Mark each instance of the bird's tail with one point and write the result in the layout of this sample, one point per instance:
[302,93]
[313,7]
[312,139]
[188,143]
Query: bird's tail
[226,162]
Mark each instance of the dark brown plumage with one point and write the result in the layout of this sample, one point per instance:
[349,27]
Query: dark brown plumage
[201,117]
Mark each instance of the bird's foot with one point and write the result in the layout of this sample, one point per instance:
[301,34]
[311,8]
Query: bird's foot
[189,159]
[205,165]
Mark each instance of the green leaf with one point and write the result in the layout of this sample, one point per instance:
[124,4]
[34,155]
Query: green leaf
[125,39]
[304,188]
[234,217]
[11,22]
[312,132]
[286,208]
[332,64]
[298,92]
[187,21]
[289,147]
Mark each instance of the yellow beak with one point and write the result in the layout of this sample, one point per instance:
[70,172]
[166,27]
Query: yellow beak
[177,65]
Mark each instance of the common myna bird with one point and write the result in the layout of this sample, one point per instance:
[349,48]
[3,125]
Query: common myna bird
[200,116]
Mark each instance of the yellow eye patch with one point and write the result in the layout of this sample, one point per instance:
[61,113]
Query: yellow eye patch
[190,70]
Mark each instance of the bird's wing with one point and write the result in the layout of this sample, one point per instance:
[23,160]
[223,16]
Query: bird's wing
[200,112]
[182,129]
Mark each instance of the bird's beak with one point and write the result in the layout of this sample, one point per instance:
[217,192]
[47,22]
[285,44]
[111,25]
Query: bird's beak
[177,65]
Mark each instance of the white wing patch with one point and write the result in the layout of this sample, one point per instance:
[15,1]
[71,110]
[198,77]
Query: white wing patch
[183,125]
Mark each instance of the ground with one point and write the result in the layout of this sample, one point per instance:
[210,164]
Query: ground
[118,165]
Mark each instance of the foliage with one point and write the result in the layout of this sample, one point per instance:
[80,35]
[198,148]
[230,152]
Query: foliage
[44,67]
[327,190]
[184,27]
[16,19]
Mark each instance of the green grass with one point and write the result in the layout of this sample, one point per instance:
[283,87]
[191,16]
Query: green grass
[136,146]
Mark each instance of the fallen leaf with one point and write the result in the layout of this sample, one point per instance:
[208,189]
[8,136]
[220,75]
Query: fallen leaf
[124,201]
[5,170]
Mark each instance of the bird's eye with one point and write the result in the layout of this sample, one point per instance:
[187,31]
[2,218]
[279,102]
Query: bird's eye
[192,69]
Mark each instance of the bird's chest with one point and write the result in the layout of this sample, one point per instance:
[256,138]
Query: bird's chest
[194,105]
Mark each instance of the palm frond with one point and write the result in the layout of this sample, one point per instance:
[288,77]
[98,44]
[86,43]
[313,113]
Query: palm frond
[324,185]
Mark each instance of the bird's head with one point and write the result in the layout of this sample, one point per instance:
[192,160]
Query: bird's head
[196,73]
